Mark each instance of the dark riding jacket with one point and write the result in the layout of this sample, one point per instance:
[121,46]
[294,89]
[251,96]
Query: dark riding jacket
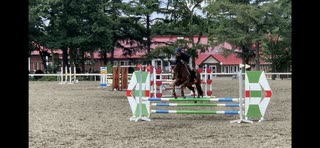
[184,57]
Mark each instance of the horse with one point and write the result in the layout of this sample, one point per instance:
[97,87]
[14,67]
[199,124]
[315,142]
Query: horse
[183,79]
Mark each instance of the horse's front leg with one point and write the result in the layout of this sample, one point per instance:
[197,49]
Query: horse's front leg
[182,92]
[174,90]
[183,85]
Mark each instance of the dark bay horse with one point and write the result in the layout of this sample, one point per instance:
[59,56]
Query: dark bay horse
[183,79]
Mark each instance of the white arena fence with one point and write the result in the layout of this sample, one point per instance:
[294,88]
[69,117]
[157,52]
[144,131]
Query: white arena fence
[96,76]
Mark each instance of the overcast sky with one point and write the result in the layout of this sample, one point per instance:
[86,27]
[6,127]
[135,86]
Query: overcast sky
[164,4]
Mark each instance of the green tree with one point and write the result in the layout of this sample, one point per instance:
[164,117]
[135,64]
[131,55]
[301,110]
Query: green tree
[181,18]
[277,44]
[38,29]
[142,11]
[242,23]
[96,30]
[76,27]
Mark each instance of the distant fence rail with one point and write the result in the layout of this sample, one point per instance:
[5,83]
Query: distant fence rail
[96,76]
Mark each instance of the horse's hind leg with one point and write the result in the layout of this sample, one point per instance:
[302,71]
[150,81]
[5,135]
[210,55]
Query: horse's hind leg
[183,85]
[193,91]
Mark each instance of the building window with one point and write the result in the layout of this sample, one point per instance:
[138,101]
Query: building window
[125,63]
[213,68]
[115,63]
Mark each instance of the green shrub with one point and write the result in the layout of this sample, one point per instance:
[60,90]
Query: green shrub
[109,68]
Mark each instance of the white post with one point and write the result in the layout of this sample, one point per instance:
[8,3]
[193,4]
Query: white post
[205,80]
[160,76]
[241,103]
[70,75]
[211,85]
[66,74]
[74,75]
[154,82]
[29,64]
[47,61]
[101,78]
[61,75]
[240,93]
[140,94]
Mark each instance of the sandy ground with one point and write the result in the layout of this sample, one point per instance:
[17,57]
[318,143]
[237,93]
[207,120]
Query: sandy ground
[83,115]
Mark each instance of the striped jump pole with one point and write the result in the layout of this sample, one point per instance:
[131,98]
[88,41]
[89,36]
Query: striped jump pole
[194,99]
[231,112]
[194,104]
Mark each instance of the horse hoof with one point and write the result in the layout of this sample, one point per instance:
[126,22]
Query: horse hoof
[175,96]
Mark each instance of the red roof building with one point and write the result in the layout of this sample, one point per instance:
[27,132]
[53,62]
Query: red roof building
[211,58]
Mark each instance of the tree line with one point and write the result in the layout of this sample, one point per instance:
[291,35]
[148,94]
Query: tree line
[256,29]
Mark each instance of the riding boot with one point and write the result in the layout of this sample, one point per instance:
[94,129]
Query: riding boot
[193,75]
[194,78]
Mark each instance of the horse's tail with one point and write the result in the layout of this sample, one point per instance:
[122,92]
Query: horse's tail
[198,84]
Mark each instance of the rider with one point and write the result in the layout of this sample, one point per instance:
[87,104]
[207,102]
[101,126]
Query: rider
[184,57]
